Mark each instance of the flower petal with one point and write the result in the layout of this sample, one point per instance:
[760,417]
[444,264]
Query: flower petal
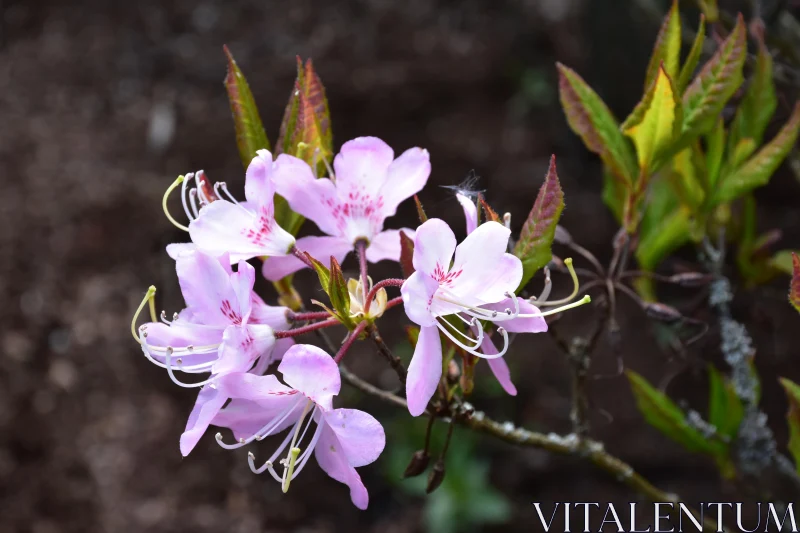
[434,244]
[275,316]
[470,212]
[313,372]
[332,460]
[498,366]
[206,287]
[242,282]
[248,417]
[179,248]
[241,346]
[209,402]
[313,198]
[361,166]
[251,387]
[258,186]
[181,334]
[535,324]
[320,248]
[406,176]
[360,436]
[417,292]
[386,245]
[425,370]
[226,227]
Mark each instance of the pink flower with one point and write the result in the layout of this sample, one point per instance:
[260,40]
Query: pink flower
[225,328]
[478,286]
[241,229]
[262,406]
[367,187]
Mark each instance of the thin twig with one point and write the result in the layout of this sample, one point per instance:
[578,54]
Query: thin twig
[385,351]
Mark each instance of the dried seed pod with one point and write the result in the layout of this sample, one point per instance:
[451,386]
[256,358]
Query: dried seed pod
[418,464]
[436,476]
[662,312]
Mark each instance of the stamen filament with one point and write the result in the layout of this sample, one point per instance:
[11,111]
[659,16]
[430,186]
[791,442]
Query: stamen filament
[294,451]
[169,190]
[575,286]
[149,296]
[184,194]
[193,201]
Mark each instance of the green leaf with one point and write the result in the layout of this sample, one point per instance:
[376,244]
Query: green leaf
[338,293]
[707,94]
[665,226]
[715,150]
[739,154]
[305,133]
[725,410]
[538,231]
[687,71]
[667,49]
[782,261]
[793,419]
[420,210]
[589,117]
[759,168]
[662,413]
[614,192]
[686,178]
[655,122]
[758,105]
[794,286]
[709,9]
[250,134]
[322,271]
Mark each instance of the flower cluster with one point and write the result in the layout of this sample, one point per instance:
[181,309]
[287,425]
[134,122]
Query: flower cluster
[230,337]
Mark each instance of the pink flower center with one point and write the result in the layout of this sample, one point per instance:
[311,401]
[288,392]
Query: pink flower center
[357,212]
[228,311]
[259,234]
[445,278]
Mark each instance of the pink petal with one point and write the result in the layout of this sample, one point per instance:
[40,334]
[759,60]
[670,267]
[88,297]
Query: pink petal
[313,198]
[313,372]
[386,245]
[241,346]
[520,325]
[320,248]
[406,176]
[206,287]
[470,212]
[209,402]
[498,366]
[242,282]
[333,461]
[181,334]
[360,436]
[434,244]
[251,387]
[274,316]
[247,417]
[276,354]
[258,187]
[417,293]
[425,370]
[361,166]
[179,248]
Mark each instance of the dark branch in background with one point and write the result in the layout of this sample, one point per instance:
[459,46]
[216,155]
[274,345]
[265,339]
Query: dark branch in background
[386,352]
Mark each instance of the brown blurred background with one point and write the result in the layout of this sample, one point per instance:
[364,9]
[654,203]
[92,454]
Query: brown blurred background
[102,104]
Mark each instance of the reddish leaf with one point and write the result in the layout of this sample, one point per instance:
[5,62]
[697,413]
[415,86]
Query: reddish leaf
[794,286]
[250,134]
[406,255]
[793,418]
[538,232]
[687,70]
[420,211]
[488,211]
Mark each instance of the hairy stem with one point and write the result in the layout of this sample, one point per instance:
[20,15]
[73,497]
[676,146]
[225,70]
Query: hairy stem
[306,329]
[390,282]
[348,342]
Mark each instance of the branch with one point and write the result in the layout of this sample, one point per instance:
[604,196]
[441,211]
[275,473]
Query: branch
[385,351]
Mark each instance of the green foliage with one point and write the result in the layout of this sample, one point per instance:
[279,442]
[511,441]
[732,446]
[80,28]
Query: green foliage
[793,419]
[536,238]
[794,287]
[250,134]
[466,500]
[676,135]
[725,409]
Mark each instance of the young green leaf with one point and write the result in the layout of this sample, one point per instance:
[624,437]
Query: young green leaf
[655,122]
[250,134]
[589,117]
[759,102]
[420,210]
[338,293]
[662,413]
[614,193]
[538,231]
[709,9]
[322,271]
[665,225]
[687,177]
[667,49]
[794,286]
[793,418]
[713,86]
[725,409]
[759,168]
[687,71]
[782,261]
[715,150]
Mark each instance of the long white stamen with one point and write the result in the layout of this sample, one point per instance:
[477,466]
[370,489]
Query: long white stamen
[224,186]
[264,432]
[251,459]
[180,383]
[193,202]
[548,286]
[149,296]
[184,194]
[575,286]
[456,330]
[169,190]
[164,318]
[294,451]
[308,451]
[200,181]
[331,175]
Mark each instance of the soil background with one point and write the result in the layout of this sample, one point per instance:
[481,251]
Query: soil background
[102,104]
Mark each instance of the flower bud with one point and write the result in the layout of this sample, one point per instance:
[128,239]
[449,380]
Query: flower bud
[418,464]
[436,476]
[357,300]
[662,312]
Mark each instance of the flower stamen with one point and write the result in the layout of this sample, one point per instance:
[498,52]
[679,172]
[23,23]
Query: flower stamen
[148,297]
[169,190]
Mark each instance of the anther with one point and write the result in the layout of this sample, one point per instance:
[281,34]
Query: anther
[175,316]
[190,348]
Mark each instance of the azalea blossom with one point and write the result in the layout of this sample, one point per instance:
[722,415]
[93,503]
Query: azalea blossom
[224,328]
[365,188]
[261,406]
[479,285]
[498,365]
[223,225]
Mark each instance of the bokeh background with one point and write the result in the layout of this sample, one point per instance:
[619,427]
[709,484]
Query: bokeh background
[102,104]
